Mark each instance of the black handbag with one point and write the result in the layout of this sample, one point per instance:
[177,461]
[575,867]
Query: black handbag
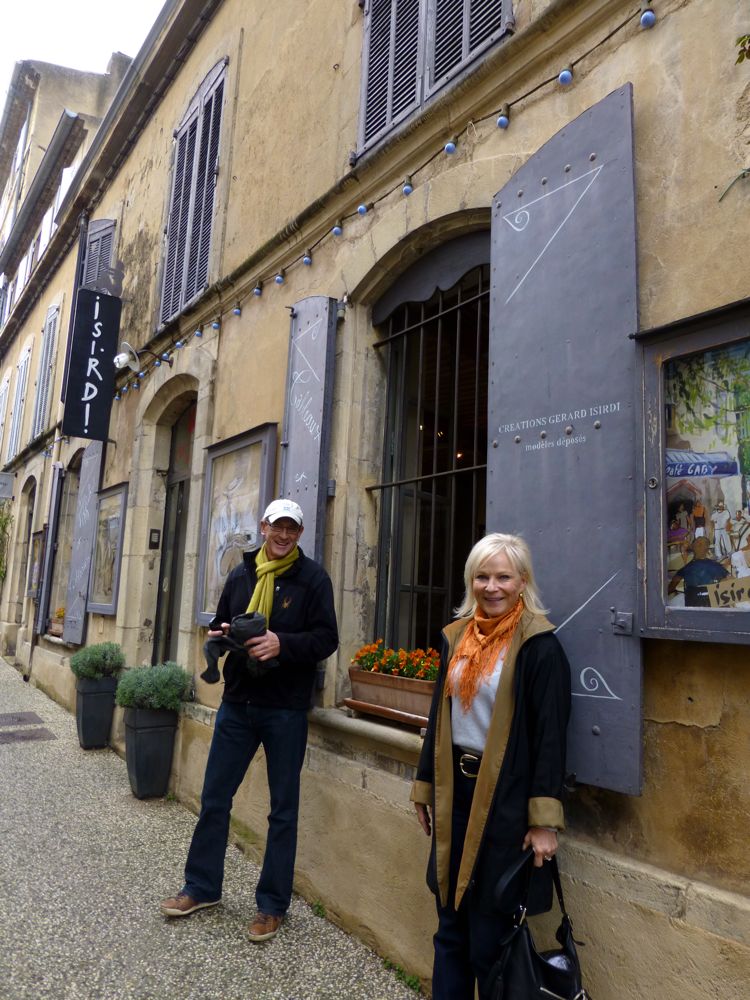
[522,972]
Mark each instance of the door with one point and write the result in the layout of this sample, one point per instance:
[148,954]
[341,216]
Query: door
[169,601]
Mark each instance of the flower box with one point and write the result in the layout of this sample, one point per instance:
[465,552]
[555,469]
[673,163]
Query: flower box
[400,699]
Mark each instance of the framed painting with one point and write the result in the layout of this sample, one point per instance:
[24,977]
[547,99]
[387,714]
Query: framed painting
[238,486]
[105,568]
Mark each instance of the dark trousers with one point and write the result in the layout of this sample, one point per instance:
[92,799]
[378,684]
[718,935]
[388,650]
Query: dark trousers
[467,940]
[239,731]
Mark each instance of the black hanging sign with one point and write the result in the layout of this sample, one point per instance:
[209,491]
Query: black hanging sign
[91,375]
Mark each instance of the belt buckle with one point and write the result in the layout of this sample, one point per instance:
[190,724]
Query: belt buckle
[464,759]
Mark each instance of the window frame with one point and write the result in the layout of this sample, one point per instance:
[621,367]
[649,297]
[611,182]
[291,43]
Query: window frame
[707,331]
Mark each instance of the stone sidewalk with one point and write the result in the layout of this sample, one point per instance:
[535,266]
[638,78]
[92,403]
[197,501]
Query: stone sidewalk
[83,865]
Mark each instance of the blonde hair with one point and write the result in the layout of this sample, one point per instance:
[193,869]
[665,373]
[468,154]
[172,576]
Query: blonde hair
[519,556]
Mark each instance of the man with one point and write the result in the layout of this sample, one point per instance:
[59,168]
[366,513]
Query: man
[296,596]
[721,519]
[697,574]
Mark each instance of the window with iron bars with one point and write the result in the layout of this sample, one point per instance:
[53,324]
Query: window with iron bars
[434,467]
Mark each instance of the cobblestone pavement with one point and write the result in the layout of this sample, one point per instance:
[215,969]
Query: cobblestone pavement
[83,865]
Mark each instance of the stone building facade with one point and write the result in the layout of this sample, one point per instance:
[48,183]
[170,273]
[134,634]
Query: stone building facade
[258,180]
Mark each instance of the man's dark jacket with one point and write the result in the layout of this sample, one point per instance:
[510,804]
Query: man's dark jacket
[304,619]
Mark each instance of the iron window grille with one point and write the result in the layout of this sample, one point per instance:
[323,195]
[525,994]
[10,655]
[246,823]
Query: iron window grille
[433,491]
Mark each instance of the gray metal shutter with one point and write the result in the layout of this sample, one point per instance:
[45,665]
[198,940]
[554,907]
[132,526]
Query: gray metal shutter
[46,368]
[392,60]
[307,416]
[202,219]
[84,530]
[99,245]
[177,228]
[562,445]
[45,582]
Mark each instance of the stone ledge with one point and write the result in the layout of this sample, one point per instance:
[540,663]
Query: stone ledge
[695,904]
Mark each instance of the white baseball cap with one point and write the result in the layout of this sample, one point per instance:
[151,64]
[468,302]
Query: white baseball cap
[283,508]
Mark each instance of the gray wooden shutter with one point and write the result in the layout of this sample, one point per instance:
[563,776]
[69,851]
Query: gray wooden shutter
[459,29]
[177,226]
[562,447]
[99,245]
[4,389]
[392,63]
[84,530]
[46,368]
[202,219]
[307,418]
[45,582]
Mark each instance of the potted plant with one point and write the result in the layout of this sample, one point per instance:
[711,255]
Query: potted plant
[151,697]
[394,684]
[96,668]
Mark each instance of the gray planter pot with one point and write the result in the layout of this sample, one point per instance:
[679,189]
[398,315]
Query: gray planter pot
[95,703]
[149,744]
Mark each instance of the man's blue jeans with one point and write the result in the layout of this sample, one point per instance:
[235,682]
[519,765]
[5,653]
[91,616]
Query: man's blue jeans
[239,731]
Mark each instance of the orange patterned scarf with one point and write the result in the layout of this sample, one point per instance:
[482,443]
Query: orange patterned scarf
[483,642]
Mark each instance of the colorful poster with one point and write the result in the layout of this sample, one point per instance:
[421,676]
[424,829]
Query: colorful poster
[707,531]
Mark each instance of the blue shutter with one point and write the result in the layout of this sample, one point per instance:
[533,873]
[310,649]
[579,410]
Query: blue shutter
[562,451]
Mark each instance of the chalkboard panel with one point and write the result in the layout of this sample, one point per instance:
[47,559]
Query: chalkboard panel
[307,420]
[562,447]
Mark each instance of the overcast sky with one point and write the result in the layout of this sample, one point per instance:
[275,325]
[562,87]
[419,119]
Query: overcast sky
[78,33]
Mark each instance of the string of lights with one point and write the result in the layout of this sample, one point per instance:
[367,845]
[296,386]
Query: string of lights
[501,116]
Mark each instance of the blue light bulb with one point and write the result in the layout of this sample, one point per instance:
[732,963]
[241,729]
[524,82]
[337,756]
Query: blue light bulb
[237,310]
[279,279]
[503,121]
[362,209]
[117,397]
[648,19]
[450,148]
[165,356]
[198,333]
[258,290]
[157,363]
[565,78]
[407,188]
[337,229]
[178,344]
[136,385]
[141,374]
[124,389]
[307,259]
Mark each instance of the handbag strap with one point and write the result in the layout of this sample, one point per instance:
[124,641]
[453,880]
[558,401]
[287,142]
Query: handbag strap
[523,861]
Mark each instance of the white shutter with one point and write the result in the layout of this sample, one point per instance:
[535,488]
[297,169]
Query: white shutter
[22,378]
[4,388]
[46,368]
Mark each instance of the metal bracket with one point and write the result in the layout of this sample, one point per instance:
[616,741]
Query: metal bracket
[622,622]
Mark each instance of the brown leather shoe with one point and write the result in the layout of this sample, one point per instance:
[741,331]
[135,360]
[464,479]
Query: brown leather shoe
[183,905]
[264,926]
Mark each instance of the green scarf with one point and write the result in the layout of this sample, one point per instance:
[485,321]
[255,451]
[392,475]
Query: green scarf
[267,570]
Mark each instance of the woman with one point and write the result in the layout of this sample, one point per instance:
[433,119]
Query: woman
[490,775]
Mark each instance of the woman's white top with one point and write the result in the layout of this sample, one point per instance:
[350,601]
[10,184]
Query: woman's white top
[469,728]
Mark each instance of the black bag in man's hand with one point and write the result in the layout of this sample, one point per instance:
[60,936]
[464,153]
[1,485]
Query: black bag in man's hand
[246,626]
[522,972]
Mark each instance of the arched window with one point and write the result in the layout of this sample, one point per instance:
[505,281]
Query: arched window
[434,344]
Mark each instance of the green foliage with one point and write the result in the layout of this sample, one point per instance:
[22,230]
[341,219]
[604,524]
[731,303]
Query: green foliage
[6,520]
[105,659]
[411,981]
[708,390]
[318,909]
[162,687]
[743,44]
